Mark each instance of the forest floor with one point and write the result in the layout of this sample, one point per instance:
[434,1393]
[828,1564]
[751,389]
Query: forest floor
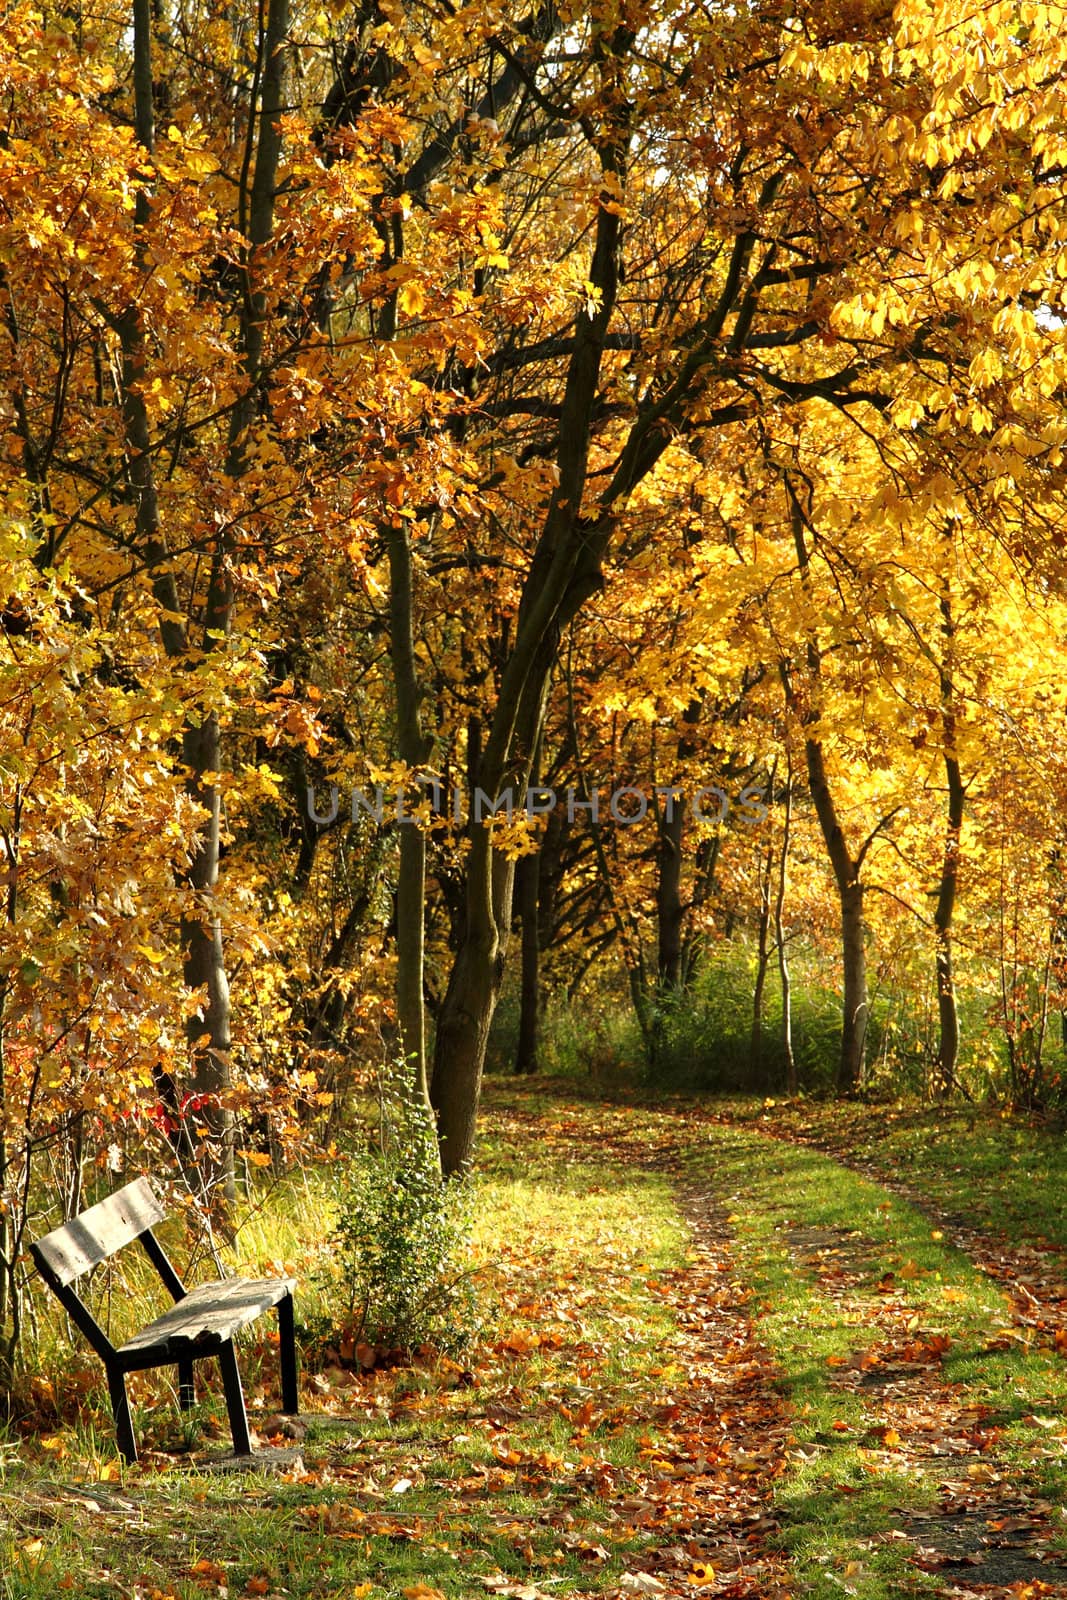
[729,1350]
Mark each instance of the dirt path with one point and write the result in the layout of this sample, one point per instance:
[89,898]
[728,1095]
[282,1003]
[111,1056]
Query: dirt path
[730,1431]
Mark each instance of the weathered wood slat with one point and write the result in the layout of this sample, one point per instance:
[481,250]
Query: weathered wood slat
[212,1312]
[99,1232]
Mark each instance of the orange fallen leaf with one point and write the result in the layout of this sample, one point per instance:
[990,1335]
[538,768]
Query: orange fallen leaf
[209,1570]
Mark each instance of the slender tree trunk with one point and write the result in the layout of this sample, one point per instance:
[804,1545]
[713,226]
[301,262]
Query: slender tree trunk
[8,1282]
[756,1074]
[412,748]
[669,908]
[948,1041]
[704,867]
[528,877]
[856,1004]
[1041,1030]
[202,951]
[846,867]
[780,937]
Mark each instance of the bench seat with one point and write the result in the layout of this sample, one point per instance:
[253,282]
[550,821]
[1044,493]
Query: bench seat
[206,1318]
[201,1322]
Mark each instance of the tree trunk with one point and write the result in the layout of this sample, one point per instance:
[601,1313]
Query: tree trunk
[669,909]
[948,1041]
[469,1002]
[704,866]
[846,867]
[528,877]
[564,572]
[856,1007]
[208,1030]
[756,1074]
[780,938]
[201,941]
[412,748]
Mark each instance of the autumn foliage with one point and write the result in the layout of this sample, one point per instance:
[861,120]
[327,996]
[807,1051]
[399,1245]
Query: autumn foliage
[442,400]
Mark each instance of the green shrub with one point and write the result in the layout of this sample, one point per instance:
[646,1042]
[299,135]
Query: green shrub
[399,1276]
[705,1033]
[593,1035]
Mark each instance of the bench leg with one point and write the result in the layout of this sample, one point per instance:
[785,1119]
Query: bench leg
[287,1355]
[120,1406]
[186,1391]
[235,1400]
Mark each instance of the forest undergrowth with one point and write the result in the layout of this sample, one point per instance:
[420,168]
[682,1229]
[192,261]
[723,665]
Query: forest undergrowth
[713,1360]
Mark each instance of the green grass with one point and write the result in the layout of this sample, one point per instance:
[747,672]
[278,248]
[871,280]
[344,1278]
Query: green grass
[989,1170]
[418,1476]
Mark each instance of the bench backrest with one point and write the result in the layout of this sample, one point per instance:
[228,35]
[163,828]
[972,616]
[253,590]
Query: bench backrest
[99,1232]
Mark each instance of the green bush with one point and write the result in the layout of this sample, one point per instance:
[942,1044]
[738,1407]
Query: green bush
[399,1276]
[594,1035]
[705,1033]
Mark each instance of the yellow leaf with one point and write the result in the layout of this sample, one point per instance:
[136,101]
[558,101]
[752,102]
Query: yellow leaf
[200,163]
[258,1158]
[411,297]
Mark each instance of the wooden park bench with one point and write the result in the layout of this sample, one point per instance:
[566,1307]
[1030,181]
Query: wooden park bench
[202,1322]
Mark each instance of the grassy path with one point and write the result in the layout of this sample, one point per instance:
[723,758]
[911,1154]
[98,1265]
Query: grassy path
[929,1422]
[716,1363]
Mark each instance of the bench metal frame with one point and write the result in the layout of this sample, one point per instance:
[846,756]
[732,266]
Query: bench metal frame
[201,1323]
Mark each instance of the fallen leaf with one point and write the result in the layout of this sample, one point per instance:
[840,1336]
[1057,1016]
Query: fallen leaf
[641,1583]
